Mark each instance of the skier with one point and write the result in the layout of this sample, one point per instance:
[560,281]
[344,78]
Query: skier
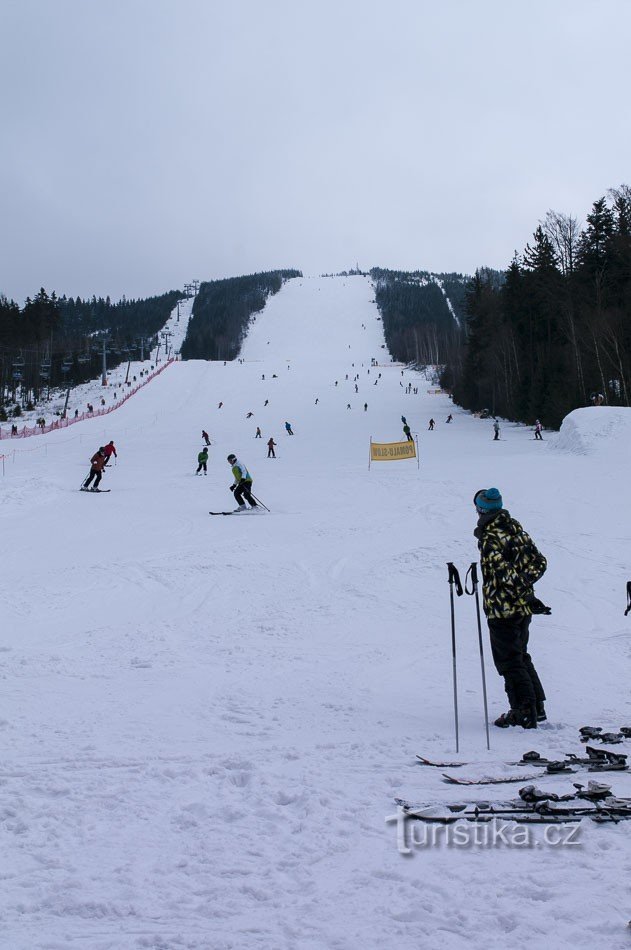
[110,449]
[266,403]
[408,434]
[538,431]
[249,415]
[288,428]
[449,418]
[97,463]
[271,454]
[205,437]
[202,459]
[431,425]
[511,565]
[348,405]
[365,407]
[258,433]
[220,405]
[356,389]
[496,430]
[242,483]
[317,401]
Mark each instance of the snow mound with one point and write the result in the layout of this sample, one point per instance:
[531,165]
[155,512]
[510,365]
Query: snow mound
[597,429]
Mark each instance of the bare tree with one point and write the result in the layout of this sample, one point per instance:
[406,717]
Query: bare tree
[563,232]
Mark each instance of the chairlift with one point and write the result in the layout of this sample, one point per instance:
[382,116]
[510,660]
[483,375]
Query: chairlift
[84,358]
[66,365]
[18,362]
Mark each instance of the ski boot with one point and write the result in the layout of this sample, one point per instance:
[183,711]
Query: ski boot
[524,717]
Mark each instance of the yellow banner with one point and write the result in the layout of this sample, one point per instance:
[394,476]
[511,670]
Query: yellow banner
[392,451]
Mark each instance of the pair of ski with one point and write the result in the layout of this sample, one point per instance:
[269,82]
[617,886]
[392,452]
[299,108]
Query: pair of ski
[596,760]
[596,802]
[541,812]
[96,491]
[589,733]
[235,512]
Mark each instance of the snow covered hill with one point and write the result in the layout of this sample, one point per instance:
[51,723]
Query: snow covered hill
[205,721]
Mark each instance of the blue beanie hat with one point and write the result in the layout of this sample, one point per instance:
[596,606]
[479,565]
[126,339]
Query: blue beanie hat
[488,499]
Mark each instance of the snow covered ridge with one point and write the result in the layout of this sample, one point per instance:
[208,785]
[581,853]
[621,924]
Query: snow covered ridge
[596,429]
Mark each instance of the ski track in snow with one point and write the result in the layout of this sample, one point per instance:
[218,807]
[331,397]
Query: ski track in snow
[205,721]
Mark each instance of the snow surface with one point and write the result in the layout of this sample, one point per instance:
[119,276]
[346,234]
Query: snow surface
[205,721]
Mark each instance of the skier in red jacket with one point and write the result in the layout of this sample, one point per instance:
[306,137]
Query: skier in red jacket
[110,449]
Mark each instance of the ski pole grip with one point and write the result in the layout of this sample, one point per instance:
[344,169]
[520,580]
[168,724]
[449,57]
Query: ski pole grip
[454,577]
[472,574]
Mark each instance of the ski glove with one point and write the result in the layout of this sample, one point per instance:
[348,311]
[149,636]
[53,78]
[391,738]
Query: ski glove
[232,487]
[538,607]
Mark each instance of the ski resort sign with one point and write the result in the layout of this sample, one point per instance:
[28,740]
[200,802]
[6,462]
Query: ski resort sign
[392,451]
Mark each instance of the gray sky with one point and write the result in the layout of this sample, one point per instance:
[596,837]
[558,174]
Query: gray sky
[148,142]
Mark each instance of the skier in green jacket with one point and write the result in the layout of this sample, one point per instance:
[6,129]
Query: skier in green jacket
[242,484]
[202,459]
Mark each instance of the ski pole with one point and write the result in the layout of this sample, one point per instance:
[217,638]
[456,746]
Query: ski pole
[259,502]
[473,572]
[454,578]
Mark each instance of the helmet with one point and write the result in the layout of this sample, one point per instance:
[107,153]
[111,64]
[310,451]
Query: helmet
[232,458]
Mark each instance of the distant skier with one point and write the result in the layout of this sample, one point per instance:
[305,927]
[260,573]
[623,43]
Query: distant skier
[348,405]
[110,450]
[449,418]
[220,405]
[408,434]
[356,389]
[242,483]
[538,431]
[365,407]
[205,437]
[258,433]
[496,430]
[289,428]
[431,425]
[271,454]
[97,463]
[266,403]
[249,415]
[202,459]
[317,401]
[511,565]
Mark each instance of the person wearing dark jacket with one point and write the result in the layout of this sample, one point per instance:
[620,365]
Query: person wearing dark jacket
[511,565]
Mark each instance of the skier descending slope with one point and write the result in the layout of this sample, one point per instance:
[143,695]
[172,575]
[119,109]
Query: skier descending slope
[202,461]
[97,463]
[511,564]
[242,484]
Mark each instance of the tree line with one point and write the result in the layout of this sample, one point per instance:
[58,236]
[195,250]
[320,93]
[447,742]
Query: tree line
[421,313]
[552,332]
[222,312]
[54,342]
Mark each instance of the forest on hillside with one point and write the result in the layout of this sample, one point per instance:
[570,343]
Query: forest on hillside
[422,313]
[222,311]
[58,341]
[554,333]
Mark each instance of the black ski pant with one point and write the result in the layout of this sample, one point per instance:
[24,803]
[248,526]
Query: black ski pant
[243,491]
[538,436]
[271,454]
[509,646]
[93,472]
[202,465]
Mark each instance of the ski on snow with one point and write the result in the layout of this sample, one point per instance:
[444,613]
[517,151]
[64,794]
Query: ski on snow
[95,491]
[231,512]
[533,806]
[597,760]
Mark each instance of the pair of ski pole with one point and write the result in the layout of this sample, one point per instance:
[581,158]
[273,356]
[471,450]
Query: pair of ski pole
[454,581]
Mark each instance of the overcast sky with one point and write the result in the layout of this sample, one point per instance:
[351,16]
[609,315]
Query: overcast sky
[144,143]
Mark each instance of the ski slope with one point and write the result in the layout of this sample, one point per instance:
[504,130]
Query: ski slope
[205,721]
